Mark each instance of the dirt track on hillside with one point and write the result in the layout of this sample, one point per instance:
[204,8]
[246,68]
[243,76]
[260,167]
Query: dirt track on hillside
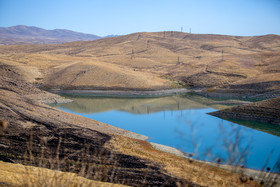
[171,60]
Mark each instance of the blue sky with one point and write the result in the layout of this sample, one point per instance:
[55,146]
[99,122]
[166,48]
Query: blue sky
[104,17]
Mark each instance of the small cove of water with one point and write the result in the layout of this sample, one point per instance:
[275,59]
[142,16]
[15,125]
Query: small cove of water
[183,123]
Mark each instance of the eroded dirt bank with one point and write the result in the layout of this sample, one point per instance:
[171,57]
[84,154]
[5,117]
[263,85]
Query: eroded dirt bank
[37,134]
[267,111]
[120,93]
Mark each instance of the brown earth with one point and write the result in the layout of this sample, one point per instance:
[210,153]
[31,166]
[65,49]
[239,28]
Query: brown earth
[263,115]
[267,111]
[39,135]
[33,126]
[152,61]
[140,61]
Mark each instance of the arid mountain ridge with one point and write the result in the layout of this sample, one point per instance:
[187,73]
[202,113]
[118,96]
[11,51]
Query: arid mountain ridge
[22,34]
[151,61]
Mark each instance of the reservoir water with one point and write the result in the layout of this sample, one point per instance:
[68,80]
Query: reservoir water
[182,122]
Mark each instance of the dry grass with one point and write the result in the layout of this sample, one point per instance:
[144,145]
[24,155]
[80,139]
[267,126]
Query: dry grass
[141,60]
[127,62]
[20,175]
[196,172]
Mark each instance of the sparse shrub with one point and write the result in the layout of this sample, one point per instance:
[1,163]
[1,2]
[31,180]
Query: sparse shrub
[243,179]
[78,170]
[3,124]
[210,90]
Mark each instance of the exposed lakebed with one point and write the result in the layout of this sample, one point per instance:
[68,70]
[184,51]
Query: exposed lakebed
[182,122]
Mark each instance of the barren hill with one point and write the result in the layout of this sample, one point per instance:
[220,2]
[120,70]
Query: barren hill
[21,34]
[140,61]
[38,135]
[149,61]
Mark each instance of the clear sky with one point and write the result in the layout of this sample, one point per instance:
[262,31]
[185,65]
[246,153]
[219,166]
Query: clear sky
[104,17]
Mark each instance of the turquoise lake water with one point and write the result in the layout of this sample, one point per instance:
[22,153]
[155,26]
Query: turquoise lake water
[183,123]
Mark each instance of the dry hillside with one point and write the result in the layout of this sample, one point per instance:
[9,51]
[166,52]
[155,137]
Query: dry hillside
[149,61]
[38,135]
[22,34]
[20,175]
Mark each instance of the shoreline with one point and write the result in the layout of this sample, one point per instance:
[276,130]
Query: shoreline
[122,93]
[257,174]
[231,94]
[65,119]
[171,150]
[165,92]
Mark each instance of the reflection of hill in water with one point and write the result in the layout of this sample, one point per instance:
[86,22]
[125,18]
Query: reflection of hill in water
[264,127]
[132,105]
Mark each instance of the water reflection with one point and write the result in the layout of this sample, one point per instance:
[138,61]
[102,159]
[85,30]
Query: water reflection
[183,123]
[89,105]
[231,146]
